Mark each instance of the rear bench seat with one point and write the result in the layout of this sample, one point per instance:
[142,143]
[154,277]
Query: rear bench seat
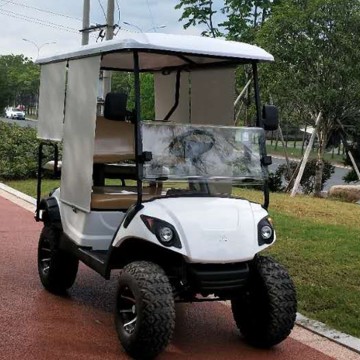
[114,142]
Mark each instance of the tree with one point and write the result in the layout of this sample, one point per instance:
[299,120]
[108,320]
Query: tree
[317,65]
[124,82]
[20,79]
[199,12]
[243,17]
[4,89]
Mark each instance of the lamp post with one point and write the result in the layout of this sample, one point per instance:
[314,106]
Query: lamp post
[37,46]
[139,28]
[156,27]
[133,25]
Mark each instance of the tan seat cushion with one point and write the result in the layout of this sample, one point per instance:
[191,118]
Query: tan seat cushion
[114,202]
[114,141]
[116,197]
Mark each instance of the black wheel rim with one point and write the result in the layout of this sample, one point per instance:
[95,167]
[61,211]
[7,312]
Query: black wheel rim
[127,310]
[44,257]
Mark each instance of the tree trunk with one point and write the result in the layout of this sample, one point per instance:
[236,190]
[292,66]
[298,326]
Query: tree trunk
[319,167]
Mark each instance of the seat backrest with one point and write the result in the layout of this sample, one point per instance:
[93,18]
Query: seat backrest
[114,141]
[114,137]
[115,106]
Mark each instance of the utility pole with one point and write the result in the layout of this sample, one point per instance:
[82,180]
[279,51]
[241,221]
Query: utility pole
[86,23]
[110,20]
[109,36]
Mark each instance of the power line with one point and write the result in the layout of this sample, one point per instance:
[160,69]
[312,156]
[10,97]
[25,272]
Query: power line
[41,10]
[119,12]
[103,10]
[151,15]
[37,21]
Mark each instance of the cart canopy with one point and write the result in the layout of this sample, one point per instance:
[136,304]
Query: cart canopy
[181,50]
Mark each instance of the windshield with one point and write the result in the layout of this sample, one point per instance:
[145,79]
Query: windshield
[191,152]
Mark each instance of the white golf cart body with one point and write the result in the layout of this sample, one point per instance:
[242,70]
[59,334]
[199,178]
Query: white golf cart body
[182,234]
[219,228]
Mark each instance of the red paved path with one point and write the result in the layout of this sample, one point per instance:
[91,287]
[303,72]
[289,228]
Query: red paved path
[35,324]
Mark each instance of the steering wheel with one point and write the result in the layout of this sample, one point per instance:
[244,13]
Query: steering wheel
[192,144]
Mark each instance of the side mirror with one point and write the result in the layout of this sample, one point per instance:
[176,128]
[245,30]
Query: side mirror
[270,117]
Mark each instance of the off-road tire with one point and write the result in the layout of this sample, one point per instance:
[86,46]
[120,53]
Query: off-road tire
[155,309]
[265,312]
[58,269]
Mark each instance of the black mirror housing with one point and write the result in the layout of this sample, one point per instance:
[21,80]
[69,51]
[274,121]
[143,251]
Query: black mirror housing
[270,117]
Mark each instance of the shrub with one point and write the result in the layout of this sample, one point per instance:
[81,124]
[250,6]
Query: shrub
[350,177]
[276,182]
[19,152]
[308,180]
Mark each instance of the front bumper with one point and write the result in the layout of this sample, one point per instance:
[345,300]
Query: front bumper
[218,279]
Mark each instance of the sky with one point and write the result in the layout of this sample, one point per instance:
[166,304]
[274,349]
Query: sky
[52,25]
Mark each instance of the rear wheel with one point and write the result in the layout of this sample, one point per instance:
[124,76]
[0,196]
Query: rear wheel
[57,268]
[265,313]
[145,310]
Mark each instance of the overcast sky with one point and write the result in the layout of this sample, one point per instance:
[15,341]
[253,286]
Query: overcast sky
[58,22]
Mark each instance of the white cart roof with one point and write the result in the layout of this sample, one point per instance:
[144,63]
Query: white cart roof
[175,50]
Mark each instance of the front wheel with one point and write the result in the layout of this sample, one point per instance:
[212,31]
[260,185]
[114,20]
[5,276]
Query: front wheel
[145,310]
[265,312]
[57,268]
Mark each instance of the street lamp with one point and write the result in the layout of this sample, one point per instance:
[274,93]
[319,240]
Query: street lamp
[133,25]
[37,46]
[139,28]
[156,27]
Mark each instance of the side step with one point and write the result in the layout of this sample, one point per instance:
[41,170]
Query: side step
[96,259]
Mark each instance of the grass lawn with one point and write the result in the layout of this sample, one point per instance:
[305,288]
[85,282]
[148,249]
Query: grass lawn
[296,153]
[319,243]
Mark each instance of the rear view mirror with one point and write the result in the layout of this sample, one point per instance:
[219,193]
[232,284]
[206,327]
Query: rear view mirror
[270,117]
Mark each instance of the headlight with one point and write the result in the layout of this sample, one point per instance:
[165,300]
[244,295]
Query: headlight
[265,231]
[165,232]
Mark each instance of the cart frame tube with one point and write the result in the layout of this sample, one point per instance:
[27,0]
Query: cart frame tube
[138,137]
[40,172]
[259,122]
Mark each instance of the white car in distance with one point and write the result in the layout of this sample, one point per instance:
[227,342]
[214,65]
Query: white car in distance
[13,113]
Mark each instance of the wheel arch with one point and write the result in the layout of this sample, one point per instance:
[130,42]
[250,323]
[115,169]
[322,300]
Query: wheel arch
[51,211]
[135,249]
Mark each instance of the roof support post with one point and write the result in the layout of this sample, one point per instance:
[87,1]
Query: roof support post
[259,122]
[138,137]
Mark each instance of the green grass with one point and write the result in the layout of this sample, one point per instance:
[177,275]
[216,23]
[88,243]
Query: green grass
[319,242]
[323,260]
[296,153]
[29,186]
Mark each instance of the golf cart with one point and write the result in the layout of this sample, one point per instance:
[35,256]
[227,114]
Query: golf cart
[155,198]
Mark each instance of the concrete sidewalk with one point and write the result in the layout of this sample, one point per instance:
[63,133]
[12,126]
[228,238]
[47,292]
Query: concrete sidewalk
[38,325]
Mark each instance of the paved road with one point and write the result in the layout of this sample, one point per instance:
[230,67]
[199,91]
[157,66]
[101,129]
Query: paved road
[21,123]
[38,325]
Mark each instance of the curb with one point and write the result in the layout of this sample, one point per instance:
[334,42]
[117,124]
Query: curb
[316,327]
[319,328]
[18,194]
